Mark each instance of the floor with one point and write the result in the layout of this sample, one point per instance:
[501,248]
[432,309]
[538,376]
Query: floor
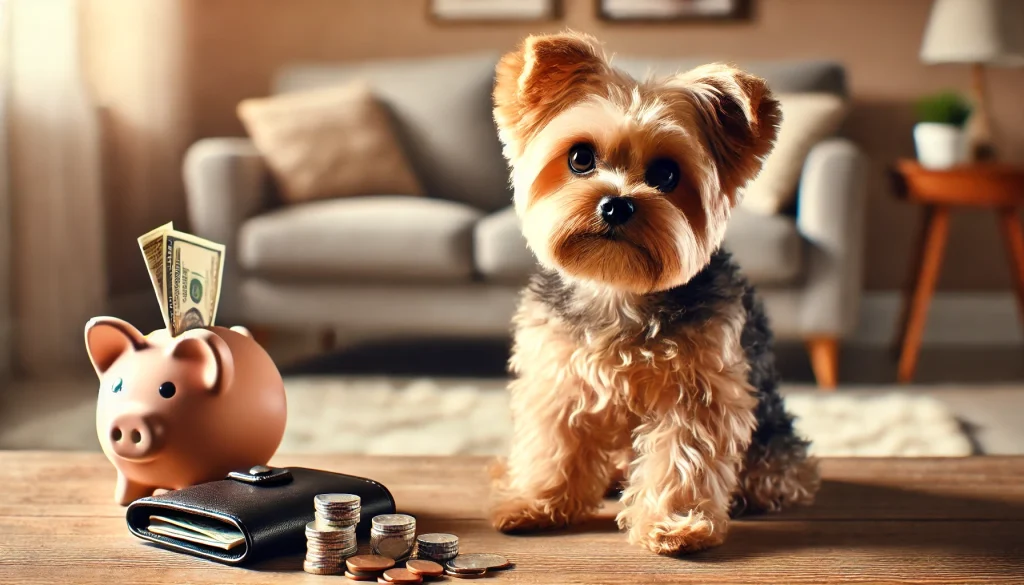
[983,386]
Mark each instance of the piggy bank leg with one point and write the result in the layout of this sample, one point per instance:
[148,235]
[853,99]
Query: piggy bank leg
[127,491]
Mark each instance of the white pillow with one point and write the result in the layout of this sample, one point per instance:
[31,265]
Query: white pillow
[807,118]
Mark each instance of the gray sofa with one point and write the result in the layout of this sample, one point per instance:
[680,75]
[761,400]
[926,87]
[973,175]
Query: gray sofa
[452,264]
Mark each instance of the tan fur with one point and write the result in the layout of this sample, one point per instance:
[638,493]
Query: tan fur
[678,407]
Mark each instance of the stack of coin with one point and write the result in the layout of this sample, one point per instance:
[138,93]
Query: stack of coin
[337,511]
[331,536]
[437,547]
[393,535]
[327,549]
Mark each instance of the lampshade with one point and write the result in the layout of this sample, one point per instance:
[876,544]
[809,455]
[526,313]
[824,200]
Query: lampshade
[975,31]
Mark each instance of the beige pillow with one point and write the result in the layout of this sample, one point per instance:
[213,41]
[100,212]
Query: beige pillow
[807,118]
[329,143]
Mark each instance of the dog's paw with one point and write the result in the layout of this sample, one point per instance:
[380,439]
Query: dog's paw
[520,515]
[688,534]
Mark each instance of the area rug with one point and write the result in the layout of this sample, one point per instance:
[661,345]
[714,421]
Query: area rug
[396,416]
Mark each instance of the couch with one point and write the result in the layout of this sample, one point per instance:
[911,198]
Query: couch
[452,263]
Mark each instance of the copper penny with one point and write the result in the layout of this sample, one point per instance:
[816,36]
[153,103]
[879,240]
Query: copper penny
[369,563]
[402,576]
[360,577]
[422,567]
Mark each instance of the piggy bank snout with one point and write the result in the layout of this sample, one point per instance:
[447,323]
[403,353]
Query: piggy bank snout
[133,436]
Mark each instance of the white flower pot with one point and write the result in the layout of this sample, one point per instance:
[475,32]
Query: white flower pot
[939,146]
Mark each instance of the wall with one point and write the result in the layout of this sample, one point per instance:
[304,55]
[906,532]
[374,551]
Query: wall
[133,57]
[57,268]
[230,49]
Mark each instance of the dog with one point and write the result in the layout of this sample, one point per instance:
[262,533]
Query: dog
[639,349]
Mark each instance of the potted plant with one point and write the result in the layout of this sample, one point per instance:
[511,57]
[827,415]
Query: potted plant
[939,133]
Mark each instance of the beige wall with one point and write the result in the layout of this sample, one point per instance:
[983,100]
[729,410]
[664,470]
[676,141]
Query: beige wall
[57,267]
[229,49]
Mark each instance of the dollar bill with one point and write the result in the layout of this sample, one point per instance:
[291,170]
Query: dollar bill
[186,273]
[152,244]
[197,531]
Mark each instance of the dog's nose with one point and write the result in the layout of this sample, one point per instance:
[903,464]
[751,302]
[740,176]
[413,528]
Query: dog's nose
[615,210]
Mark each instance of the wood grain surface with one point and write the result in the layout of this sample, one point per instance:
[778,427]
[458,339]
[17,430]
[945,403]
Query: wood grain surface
[895,520]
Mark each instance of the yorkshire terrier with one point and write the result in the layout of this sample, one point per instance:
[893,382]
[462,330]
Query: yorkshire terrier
[640,350]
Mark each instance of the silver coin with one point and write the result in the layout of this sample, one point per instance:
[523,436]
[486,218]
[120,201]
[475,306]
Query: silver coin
[339,500]
[387,521]
[438,539]
[326,525]
[465,575]
[475,562]
[393,548]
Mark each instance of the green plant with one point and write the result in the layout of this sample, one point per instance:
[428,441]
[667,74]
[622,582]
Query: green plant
[944,108]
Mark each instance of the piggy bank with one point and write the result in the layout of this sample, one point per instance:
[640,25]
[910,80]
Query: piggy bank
[177,411]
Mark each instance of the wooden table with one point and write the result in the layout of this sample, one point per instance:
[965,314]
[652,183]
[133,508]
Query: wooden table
[994,186]
[918,520]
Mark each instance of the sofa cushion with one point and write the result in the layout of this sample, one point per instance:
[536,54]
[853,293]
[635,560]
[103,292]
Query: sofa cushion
[807,119]
[441,108]
[379,238]
[769,249]
[500,248]
[325,143]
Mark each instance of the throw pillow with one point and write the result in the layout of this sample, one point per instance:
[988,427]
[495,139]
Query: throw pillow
[328,143]
[807,118]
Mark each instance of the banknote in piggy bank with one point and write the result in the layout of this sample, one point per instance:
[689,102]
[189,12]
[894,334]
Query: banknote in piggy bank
[174,411]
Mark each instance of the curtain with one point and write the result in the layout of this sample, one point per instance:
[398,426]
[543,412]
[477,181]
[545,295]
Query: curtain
[5,205]
[57,272]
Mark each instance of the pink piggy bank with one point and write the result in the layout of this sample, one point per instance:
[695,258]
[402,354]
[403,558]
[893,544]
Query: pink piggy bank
[174,412]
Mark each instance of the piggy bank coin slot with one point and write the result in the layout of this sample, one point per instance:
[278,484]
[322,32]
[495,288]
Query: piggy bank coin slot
[262,475]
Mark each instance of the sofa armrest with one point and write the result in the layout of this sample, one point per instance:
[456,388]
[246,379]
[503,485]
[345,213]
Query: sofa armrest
[830,215]
[225,183]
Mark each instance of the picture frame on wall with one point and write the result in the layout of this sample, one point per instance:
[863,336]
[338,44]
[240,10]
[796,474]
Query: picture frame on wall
[672,10]
[492,10]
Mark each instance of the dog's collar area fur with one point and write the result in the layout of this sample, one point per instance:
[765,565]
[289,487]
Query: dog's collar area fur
[584,306]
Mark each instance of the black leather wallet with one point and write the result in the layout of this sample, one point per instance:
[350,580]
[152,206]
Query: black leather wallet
[269,507]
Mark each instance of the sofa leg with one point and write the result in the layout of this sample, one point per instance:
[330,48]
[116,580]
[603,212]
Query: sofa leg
[824,353]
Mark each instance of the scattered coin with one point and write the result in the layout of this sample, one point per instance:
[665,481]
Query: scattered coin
[474,562]
[402,576]
[473,575]
[426,568]
[356,577]
[369,563]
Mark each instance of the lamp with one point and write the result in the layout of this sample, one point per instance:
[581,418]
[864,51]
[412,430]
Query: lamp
[977,32]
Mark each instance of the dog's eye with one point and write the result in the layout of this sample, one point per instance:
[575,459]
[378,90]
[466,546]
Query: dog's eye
[663,175]
[582,159]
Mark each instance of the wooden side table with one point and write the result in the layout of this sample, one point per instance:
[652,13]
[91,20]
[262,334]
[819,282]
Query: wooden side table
[995,186]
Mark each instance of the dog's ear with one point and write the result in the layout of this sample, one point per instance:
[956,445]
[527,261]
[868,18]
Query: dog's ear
[547,74]
[739,118]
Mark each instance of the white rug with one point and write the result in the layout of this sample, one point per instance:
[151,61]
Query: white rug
[395,416]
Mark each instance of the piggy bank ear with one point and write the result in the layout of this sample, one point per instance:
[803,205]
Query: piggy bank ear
[108,338]
[205,351]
